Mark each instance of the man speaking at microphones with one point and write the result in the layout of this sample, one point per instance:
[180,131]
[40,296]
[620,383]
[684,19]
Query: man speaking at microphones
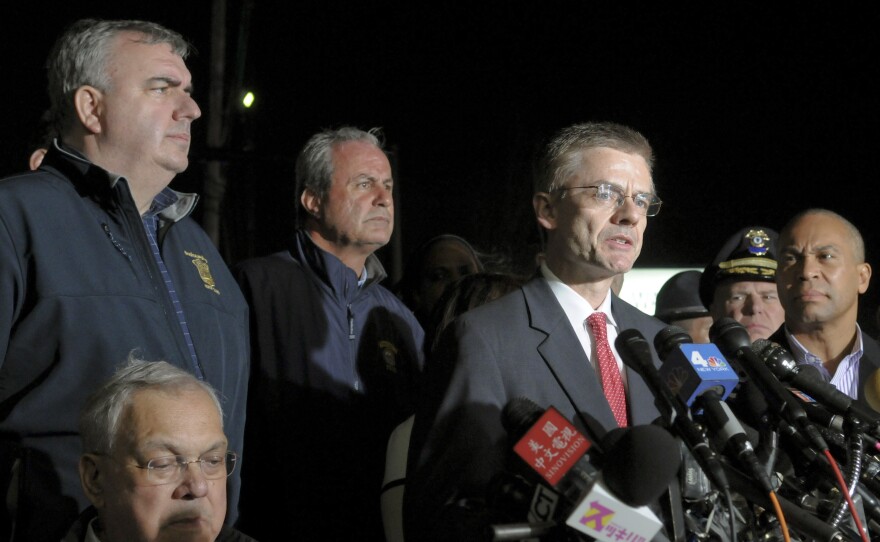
[822,271]
[551,340]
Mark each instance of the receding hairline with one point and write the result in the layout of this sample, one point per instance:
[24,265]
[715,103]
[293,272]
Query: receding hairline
[180,391]
[564,153]
[336,146]
[855,236]
[137,37]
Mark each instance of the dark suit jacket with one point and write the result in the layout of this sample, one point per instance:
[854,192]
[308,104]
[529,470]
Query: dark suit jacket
[521,345]
[869,362]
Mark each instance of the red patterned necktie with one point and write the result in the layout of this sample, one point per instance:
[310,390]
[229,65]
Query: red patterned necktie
[612,383]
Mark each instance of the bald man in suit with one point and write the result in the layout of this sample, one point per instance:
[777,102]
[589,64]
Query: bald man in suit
[822,272]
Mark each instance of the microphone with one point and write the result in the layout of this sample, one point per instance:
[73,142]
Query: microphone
[807,379]
[699,374]
[691,369]
[814,528]
[828,419]
[550,445]
[639,462]
[733,436]
[557,453]
[733,339]
[635,352]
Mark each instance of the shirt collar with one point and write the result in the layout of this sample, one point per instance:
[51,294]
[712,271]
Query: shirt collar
[91,533]
[802,355]
[164,199]
[576,308]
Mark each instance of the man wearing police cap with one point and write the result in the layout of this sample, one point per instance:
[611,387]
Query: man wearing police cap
[740,283]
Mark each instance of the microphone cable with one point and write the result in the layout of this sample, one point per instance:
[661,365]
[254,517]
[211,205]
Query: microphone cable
[849,502]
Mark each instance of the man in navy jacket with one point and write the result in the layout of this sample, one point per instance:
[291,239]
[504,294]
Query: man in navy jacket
[99,258]
[336,355]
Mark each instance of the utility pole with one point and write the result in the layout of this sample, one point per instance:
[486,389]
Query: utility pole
[222,101]
[215,174]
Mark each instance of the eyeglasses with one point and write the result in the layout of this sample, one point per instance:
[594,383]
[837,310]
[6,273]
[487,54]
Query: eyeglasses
[608,196]
[170,468]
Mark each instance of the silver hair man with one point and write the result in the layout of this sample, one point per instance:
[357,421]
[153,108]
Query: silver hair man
[79,57]
[314,166]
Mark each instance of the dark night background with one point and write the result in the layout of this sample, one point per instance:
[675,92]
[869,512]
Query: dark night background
[755,112]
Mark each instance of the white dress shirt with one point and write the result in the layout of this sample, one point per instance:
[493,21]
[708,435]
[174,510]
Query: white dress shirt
[846,377]
[577,309]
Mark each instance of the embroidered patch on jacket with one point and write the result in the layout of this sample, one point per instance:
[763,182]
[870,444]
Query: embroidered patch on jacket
[201,264]
[389,355]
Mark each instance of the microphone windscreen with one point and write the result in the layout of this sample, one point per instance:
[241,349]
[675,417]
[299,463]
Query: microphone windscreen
[611,437]
[668,338]
[760,344]
[805,370]
[639,463]
[750,405]
[729,335]
[872,390]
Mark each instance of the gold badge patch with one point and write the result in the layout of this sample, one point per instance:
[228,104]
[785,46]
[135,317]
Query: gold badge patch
[758,242]
[201,264]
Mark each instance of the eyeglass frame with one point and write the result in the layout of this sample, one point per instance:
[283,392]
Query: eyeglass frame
[621,197]
[182,463]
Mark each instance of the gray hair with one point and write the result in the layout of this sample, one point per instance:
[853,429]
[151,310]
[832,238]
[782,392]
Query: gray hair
[562,156]
[79,57]
[314,165]
[103,411]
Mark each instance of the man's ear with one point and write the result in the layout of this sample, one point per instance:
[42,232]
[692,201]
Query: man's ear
[864,277]
[88,103]
[36,158]
[545,210]
[311,202]
[92,479]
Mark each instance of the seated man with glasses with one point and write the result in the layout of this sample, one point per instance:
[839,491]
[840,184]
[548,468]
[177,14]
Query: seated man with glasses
[155,459]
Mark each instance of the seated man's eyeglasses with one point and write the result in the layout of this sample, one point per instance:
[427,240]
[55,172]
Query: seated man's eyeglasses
[169,469]
[608,196]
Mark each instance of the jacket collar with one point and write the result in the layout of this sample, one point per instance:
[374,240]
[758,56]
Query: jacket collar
[93,181]
[330,269]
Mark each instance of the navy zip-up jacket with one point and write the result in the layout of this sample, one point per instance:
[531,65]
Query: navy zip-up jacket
[335,368]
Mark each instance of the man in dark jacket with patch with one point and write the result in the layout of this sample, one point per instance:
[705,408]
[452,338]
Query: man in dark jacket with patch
[99,258]
[335,354]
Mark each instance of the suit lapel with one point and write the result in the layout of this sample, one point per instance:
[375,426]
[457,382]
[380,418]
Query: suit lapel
[562,352]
